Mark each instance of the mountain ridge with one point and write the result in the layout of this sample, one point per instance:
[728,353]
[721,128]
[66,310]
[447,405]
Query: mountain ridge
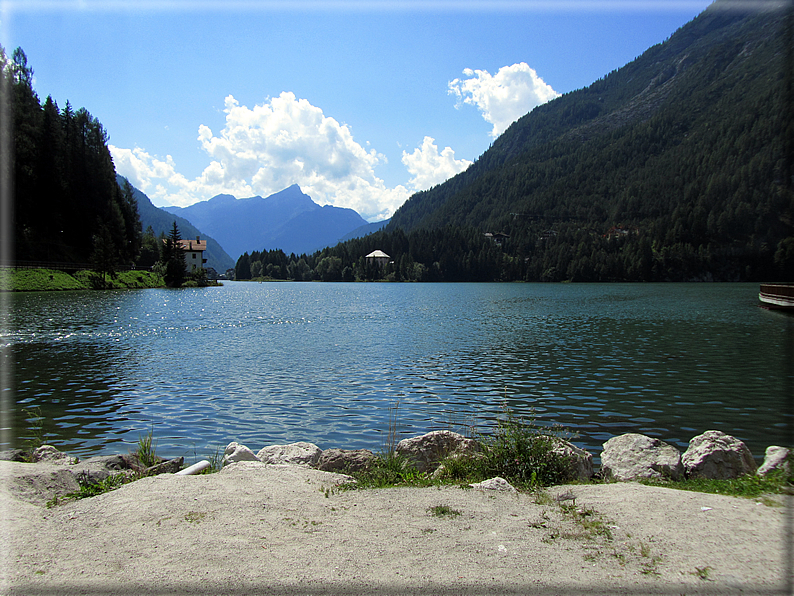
[288,220]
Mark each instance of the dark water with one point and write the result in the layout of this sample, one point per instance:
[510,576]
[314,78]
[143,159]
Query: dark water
[326,363]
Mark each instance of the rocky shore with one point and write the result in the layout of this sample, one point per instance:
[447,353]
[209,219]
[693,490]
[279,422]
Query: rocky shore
[288,528]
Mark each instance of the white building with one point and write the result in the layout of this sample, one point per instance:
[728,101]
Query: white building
[194,253]
[379,257]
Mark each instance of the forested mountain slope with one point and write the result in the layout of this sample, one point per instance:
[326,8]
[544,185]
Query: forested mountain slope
[675,166]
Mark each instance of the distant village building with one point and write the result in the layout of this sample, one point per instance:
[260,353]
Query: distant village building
[497,237]
[620,232]
[194,253]
[379,257]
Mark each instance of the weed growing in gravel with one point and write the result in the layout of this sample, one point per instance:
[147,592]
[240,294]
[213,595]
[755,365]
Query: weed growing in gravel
[702,572]
[443,511]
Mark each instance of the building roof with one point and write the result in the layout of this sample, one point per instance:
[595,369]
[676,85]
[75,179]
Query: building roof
[193,245]
[377,254]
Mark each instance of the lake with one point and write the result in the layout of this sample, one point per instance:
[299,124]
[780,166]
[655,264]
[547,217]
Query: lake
[329,363]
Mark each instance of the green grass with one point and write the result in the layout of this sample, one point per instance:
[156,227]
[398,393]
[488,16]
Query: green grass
[390,469]
[91,489]
[146,450]
[123,280]
[515,449]
[36,429]
[749,486]
[36,280]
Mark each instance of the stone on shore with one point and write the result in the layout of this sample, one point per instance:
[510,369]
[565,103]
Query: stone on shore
[496,483]
[300,454]
[581,461]
[425,452]
[235,452]
[97,469]
[50,455]
[718,456]
[776,458]
[169,466]
[345,460]
[633,456]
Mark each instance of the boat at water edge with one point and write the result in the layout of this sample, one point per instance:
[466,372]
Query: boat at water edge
[777,296]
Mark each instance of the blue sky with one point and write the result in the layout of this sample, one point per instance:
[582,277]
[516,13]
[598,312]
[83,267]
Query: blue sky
[360,103]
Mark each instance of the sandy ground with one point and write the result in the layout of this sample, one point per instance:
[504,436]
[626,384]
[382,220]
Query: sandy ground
[256,529]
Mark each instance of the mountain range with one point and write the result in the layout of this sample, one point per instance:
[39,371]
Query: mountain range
[288,220]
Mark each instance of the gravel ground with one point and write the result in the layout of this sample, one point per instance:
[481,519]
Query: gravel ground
[257,529]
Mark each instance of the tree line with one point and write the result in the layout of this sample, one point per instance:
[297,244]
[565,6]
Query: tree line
[68,206]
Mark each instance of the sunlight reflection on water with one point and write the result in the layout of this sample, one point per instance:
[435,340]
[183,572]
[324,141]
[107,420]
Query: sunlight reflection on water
[282,362]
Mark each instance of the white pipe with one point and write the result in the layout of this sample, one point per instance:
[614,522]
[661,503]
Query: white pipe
[195,468]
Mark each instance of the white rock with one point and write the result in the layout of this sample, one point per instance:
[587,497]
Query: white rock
[300,453]
[495,483]
[235,452]
[718,456]
[774,459]
[426,451]
[632,456]
[50,455]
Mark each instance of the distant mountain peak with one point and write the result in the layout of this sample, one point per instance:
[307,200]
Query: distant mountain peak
[288,219]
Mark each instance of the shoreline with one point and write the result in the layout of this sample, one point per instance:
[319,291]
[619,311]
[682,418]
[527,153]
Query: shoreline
[54,280]
[289,529]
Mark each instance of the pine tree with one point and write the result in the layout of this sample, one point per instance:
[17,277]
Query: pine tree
[174,258]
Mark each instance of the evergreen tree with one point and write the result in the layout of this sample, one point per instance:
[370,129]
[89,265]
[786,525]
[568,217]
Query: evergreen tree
[173,257]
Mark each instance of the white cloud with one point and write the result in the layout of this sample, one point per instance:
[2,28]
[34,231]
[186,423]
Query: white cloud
[504,97]
[263,150]
[429,168]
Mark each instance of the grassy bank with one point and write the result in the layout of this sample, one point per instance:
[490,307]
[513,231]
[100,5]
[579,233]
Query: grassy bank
[38,280]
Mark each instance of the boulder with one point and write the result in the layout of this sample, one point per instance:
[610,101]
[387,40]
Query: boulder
[170,466]
[235,452]
[495,483]
[776,458]
[718,456]
[345,460]
[97,469]
[425,452]
[581,460]
[50,455]
[633,456]
[300,453]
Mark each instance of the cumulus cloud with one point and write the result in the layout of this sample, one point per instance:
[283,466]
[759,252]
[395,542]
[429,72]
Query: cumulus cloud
[429,167]
[504,97]
[264,149]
